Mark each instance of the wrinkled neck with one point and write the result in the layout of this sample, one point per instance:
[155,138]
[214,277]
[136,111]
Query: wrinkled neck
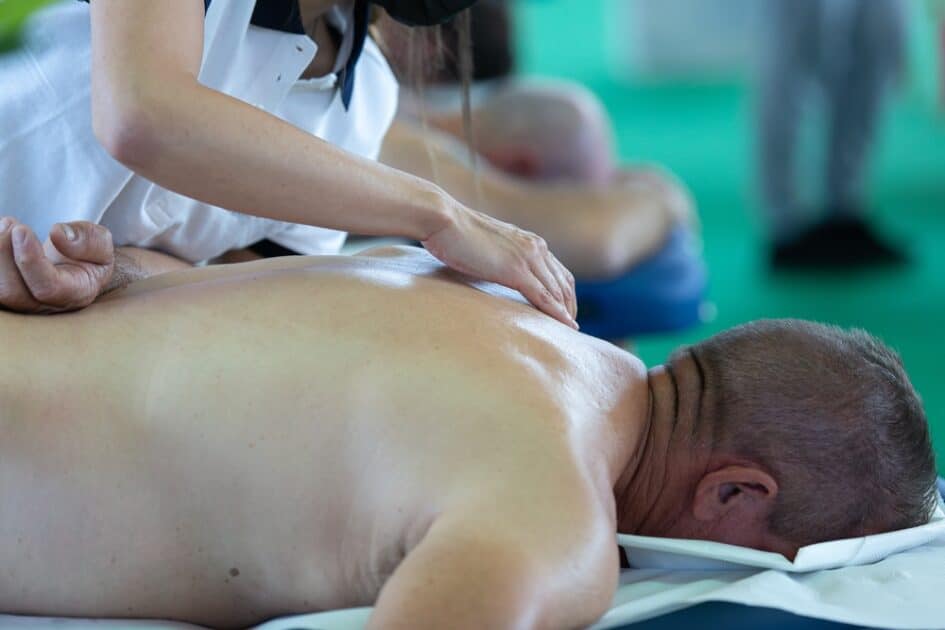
[647,493]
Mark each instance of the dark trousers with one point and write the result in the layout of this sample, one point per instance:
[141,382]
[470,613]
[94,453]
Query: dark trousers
[850,49]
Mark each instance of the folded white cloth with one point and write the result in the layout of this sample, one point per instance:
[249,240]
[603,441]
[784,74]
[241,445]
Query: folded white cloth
[645,552]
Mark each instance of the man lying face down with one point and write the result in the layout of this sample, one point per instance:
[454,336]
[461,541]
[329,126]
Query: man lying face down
[225,445]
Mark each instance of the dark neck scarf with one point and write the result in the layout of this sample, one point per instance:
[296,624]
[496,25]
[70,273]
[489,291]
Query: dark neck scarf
[284,15]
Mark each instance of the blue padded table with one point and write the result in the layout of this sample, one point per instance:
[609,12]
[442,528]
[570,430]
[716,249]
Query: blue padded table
[739,617]
[663,293]
[735,617]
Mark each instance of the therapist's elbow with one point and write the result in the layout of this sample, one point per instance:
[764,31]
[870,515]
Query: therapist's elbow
[128,129]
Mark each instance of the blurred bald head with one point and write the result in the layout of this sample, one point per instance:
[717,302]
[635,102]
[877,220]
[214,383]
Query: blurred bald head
[548,131]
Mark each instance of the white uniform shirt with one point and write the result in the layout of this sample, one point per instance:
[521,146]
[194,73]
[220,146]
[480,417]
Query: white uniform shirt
[53,169]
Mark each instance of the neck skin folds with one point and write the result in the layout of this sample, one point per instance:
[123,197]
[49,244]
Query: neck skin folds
[653,490]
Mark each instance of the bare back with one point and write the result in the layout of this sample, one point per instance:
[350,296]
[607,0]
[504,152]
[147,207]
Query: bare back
[225,445]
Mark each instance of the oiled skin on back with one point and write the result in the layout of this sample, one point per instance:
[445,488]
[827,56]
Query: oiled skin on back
[223,446]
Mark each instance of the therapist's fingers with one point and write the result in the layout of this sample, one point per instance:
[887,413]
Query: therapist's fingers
[488,249]
[566,282]
[83,241]
[563,280]
[543,270]
[536,291]
[539,267]
[540,285]
[14,295]
[56,287]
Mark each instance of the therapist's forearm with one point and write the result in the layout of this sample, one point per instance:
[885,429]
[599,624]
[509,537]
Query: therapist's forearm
[209,146]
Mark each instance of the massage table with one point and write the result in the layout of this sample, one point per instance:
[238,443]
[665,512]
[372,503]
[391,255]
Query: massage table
[893,580]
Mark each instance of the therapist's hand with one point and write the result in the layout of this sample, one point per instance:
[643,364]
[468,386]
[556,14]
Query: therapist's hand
[480,246]
[66,273]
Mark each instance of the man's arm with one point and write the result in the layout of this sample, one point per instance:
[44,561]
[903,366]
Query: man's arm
[461,580]
[480,573]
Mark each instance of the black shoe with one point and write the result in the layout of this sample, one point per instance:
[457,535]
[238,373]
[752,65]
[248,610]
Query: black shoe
[846,242]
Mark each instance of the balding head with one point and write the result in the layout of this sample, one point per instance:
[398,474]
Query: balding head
[832,416]
[546,131]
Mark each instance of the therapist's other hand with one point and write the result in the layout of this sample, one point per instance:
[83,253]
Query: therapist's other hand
[65,274]
[481,246]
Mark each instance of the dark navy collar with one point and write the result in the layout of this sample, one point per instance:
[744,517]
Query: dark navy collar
[362,18]
[279,15]
[284,15]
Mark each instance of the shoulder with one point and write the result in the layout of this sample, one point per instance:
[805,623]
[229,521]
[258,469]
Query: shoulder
[465,573]
[558,539]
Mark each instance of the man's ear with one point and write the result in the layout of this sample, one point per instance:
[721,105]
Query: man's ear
[518,161]
[735,489]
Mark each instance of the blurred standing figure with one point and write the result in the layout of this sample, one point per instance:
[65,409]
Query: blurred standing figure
[937,8]
[852,50]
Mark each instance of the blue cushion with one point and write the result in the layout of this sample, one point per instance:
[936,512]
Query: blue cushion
[663,293]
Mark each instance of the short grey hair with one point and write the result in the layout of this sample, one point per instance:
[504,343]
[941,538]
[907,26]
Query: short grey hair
[833,417]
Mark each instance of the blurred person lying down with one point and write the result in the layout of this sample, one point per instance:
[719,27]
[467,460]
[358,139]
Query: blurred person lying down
[545,149]
[547,162]
[225,445]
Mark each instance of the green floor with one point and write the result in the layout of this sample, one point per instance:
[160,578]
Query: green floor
[704,134]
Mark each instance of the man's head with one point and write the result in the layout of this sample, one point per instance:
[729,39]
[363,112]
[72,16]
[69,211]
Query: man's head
[797,433]
[547,131]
